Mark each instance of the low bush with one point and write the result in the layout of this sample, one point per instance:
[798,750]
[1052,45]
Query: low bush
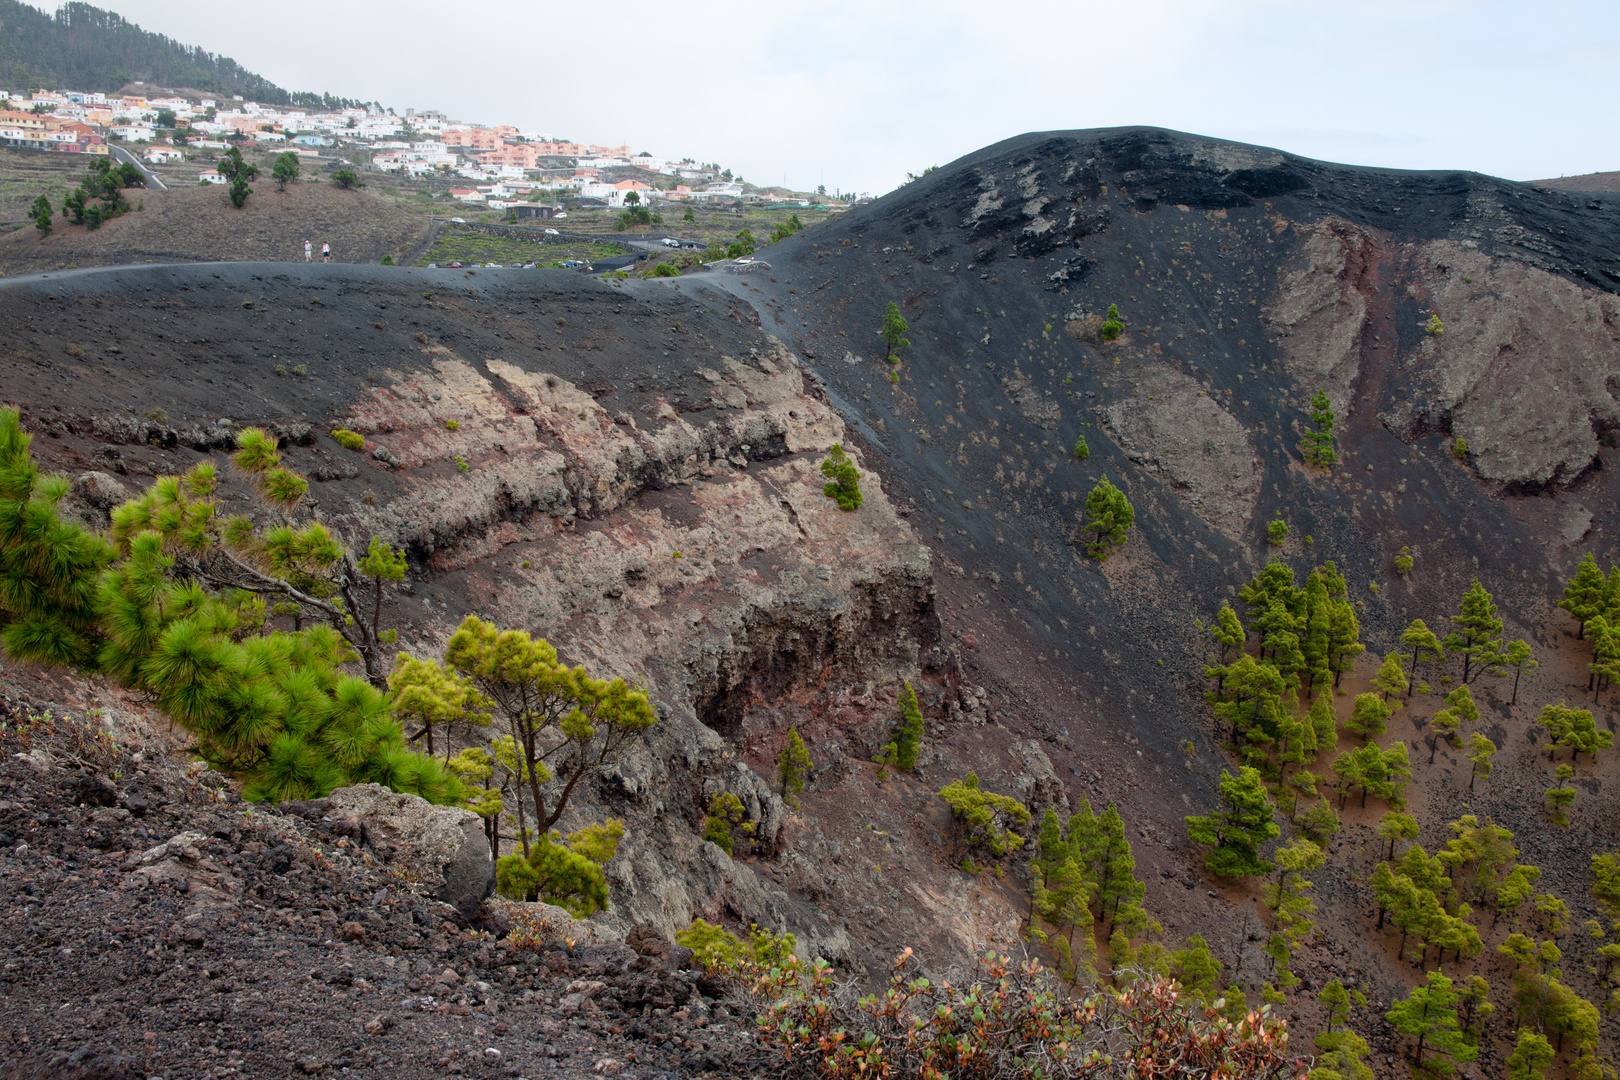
[349,440]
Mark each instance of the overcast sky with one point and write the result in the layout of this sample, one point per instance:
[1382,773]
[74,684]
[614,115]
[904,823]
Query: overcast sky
[855,95]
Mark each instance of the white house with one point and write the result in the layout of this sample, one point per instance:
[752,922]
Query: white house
[211,176]
[162,155]
[133,133]
[467,194]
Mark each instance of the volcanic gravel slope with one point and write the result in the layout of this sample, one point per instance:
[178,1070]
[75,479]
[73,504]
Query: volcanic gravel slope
[156,926]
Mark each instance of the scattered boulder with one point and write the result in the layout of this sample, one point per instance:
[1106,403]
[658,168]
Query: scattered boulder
[445,844]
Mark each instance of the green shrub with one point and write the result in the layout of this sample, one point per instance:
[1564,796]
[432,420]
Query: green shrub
[901,751]
[1277,533]
[1081,450]
[664,270]
[1403,561]
[727,822]
[1112,326]
[451,425]
[387,260]
[566,874]
[843,479]
[1459,449]
[349,440]
[719,952]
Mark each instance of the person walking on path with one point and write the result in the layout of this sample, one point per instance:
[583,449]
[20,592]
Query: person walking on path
[309,252]
[326,252]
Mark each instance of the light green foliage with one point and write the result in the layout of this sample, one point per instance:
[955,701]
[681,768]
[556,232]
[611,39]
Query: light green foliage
[1459,448]
[346,178]
[727,822]
[1429,1013]
[843,479]
[1081,450]
[428,696]
[1324,724]
[1368,717]
[349,440]
[785,229]
[1390,680]
[1236,828]
[985,820]
[1277,533]
[1339,1057]
[1517,658]
[1480,752]
[1318,444]
[1318,822]
[1434,326]
[1287,898]
[566,874]
[1561,796]
[1381,773]
[901,751]
[1228,630]
[893,332]
[1196,968]
[271,707]
[1395,826]
[42,215]
[1403,561]
[1113,325]
[1574,729]
[553,713]
[1460,710]
[1606,881]
[1531,1054]
[720,952]
[793,764]
[1477,631]
[1109,517]
[285,169]
[1586,594]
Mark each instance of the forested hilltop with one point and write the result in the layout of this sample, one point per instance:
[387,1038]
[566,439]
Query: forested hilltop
[82,47]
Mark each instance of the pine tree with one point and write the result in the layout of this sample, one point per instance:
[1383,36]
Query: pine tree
[427,695]
[1234,831]
[1318,444]
[1344,638]
[1425,648]
[566,873]
[1480,752]
[1561,796]
[1390,679]
[1368,717]
[893,331]
[907,741]
[1429,1012]
[793,764]
[1395,826]
[554,714]
[1228,631]
[1584,596]
[1530,1055]
[843,479]
[1325,724]
[984,820]
[1517,657]
[1109,516]
[1460,710]
[1478,633]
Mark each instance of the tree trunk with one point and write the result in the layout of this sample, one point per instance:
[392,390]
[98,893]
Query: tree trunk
[1516,673]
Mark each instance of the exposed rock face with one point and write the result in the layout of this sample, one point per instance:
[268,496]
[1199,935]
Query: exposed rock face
[1526,365]
[1173,428]
[445,845]
[1319,310]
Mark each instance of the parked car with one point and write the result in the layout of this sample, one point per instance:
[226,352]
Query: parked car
[459,220]
[453,265]
[432,266]
[553,232]
[560,214]
[670,241]
[492,266]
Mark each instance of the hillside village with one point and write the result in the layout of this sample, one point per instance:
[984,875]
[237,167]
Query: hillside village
[504,166]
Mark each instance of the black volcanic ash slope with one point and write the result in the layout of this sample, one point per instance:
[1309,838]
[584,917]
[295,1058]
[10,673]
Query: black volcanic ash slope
[993,256]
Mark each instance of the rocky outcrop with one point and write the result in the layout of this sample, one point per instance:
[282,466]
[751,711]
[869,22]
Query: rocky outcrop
[1319,312]
[1176,430]
[444,846]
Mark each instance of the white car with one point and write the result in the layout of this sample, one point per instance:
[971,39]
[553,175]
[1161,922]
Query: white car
[559,215]
[459,220]
[670,241]
[553,232]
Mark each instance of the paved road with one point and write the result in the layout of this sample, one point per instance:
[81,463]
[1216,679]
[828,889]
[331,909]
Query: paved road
[120,154]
